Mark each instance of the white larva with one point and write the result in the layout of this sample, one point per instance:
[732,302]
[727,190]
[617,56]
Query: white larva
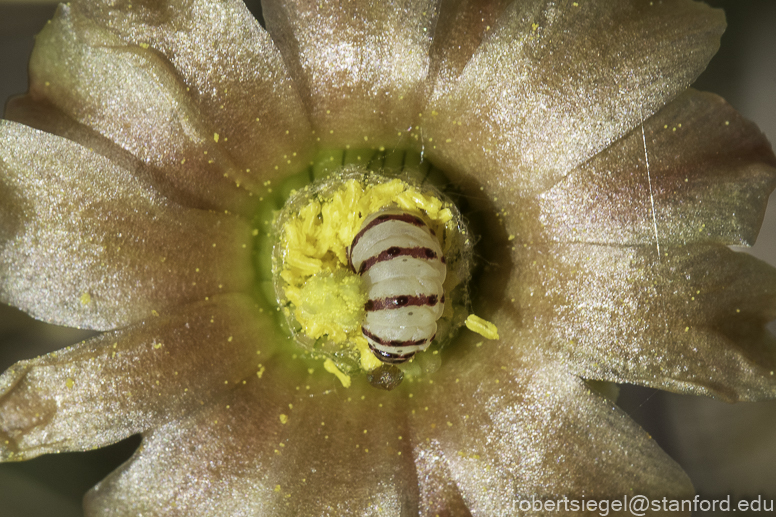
[403,268]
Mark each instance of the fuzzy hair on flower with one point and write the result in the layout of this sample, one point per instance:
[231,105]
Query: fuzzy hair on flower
[375,257]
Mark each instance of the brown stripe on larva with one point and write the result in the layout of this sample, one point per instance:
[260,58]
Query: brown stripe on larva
[405,300]
[390,358]
[393,252]
[407,218]
[387,342]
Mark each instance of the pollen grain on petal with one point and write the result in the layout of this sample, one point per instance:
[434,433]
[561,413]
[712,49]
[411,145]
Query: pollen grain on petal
[330,367]
[482,327]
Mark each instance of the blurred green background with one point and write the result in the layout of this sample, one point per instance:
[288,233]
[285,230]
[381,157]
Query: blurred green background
[726,449]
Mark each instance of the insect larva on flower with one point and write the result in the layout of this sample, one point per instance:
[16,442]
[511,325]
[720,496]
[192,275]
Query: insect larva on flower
[413,263]
[403,268]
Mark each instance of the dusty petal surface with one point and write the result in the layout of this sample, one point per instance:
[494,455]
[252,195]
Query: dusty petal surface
[710,172]
[289,442]
[692,320]
[554,83]
[81,68]
[494,431]
[294,444]
[360,65]
[128,381]
[233,73]
[131,250]
[495,434]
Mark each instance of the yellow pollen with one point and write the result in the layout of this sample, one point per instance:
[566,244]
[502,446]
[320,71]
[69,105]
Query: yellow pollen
[330,367]
[482,327]
[327,298]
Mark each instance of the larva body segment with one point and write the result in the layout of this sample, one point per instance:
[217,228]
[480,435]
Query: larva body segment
[403,269]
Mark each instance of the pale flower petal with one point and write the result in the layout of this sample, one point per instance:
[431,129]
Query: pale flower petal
[530,430]
[552,85]
[462,26]
[82,69]
[130,250]
[710,173]
[128,381]
[288,443]
[233,74]
[692,320]
[360,66]
[43,116]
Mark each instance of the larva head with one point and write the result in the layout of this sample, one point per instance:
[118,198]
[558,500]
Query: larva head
[385,377]
[371,269]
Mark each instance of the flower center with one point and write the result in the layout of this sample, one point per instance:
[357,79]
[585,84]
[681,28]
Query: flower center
[369,264]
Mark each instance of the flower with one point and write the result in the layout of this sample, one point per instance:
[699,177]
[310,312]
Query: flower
[606,192]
